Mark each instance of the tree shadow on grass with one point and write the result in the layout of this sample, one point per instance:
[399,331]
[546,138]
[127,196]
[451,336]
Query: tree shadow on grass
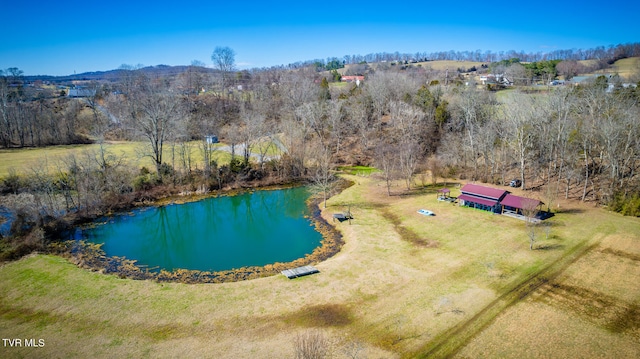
[426,189]
[549,247]
[571,211]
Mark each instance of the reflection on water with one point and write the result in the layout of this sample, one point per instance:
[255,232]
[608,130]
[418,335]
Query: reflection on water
[215,234]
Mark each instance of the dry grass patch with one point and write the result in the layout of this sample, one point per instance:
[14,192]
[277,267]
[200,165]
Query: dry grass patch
[628,68]
[592,309]
[535,330]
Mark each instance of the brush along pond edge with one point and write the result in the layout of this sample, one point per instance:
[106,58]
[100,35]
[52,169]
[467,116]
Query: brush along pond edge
[91,256]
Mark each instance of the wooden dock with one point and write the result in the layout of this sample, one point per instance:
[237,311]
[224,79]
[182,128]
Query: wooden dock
[299,272]
[342,217]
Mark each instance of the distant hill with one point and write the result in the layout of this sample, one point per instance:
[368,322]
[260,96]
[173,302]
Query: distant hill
[114,75]
[627,68]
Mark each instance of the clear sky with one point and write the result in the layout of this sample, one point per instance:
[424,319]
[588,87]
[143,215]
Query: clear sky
[63,37]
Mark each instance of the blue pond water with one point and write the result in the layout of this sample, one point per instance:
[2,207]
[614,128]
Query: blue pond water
[252,229]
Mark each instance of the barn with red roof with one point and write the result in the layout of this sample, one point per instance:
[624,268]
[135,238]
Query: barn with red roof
[494,199]
[481,197]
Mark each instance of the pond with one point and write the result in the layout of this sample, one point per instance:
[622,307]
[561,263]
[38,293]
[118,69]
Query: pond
[215,234]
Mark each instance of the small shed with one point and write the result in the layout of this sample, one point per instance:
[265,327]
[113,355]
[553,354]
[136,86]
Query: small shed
[211,139]
[443,194]
[516,204]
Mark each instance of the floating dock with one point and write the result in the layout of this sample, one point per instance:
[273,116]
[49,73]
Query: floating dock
[299,272]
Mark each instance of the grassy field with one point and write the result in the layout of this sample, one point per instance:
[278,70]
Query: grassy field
[23,159]
[452,65]
[628,68]
[463,283]
[50,157]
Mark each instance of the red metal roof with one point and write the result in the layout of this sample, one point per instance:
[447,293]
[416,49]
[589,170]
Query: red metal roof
[519,202]
[474,189]
[352,78]
[468,198]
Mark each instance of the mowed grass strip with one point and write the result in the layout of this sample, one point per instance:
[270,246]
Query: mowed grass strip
[393,297]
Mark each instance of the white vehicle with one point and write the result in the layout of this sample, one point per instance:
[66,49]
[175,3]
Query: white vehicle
[426,212]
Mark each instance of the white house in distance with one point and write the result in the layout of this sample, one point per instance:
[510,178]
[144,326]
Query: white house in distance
[356,79]
[81,92]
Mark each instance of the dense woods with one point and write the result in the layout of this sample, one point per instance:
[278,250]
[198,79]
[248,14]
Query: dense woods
[289,124]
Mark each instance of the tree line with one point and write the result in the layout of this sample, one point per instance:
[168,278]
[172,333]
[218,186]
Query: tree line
[604,55]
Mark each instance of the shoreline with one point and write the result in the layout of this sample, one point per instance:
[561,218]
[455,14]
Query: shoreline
[92,257]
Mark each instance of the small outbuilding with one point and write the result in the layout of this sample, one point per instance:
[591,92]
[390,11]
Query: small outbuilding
[443,194]
[516,204]
[211,139]
[81,92]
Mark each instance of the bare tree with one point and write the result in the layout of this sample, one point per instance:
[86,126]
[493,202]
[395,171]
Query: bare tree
[569,68]
[529,211]
[260,134]
[323,177]
[192,81]
[360,111]
[311,345]
[11,89]
[208,148]
[338,127]
[156,114]
[253,128]
[383,88]
[185,153]
[224,58]
[550,194]
[312,115]
[517,74]
[386,160]
[354,349]
[407,122]
[297,88]
[471,110]
[520,118]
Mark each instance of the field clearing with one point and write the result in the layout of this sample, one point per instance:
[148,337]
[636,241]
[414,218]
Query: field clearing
[588,63]
[22,160]
[440,65]
[452,65]
[628,68]
[401,281]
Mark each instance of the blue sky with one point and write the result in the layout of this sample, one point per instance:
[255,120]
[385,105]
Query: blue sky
[63,37]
